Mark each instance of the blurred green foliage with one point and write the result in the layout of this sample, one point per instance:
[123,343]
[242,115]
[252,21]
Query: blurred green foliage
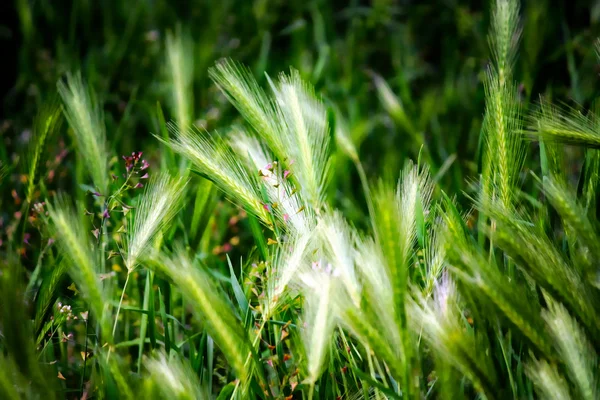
[432,56]
[400,79]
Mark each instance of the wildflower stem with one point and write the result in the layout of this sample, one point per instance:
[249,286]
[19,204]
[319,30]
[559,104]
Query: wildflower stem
[118,311]
[120,303]
[85,358]
[311,390]
[254,344]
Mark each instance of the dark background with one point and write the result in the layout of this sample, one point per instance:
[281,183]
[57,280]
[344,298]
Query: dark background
[432,54]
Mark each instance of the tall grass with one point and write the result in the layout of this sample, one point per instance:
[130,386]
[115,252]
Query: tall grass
[86,119]
[336,267]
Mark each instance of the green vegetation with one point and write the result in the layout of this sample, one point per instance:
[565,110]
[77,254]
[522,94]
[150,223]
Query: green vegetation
[301,201]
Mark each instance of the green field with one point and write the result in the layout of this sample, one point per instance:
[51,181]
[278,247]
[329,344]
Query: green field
[275,199]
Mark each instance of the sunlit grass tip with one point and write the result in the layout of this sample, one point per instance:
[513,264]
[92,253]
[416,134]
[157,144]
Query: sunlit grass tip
[173,378]
[287,204]
[159,203]
[86,118]
[292,123]
[214,159]
[180,69]
[565,124]
[306,134]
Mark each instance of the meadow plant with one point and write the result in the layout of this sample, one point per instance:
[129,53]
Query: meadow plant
[144,283]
